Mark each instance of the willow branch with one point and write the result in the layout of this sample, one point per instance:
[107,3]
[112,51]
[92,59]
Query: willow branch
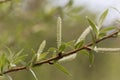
[62,55]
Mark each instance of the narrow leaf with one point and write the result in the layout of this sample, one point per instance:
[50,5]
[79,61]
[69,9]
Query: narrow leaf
[43,55]
[19,59]
[34,75]
[103,17]
[91,56]
[93,38]
[18,53]
[85,52]
[32,61]
[3,62]
[9,50]
[62,47]
[92,24]
[61,68]
[80,44]
[40,50]
[59,31]
[101,35]
[51,49]
[70,44]
[69,4]
[104,30]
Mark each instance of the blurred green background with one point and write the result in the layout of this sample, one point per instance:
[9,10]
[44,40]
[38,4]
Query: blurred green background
[25,23]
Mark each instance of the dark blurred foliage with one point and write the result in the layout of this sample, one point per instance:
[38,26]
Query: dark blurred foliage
[25,23]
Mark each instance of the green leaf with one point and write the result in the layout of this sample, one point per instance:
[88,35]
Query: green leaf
[61,68]
[17,54]
[101,35]
[62,47]
[70,44]
[43,55]
[9,50]
[19,59]
[91,56]
[69,4]
[40,50]
[32,61]
[3,62]
[52,49]
[93,26]
[94,37]
[103,17]
[85,52]
[104,30]
[34,75]
[16,58]
[80,44]
[59,32]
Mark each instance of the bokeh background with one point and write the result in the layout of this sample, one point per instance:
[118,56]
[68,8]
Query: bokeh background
[25,23]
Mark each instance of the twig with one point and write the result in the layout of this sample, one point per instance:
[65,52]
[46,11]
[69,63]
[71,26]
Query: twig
[61,56]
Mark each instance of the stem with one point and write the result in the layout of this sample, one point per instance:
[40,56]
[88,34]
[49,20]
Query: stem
[63,55]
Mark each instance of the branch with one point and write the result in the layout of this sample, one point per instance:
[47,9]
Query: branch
[62,55]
